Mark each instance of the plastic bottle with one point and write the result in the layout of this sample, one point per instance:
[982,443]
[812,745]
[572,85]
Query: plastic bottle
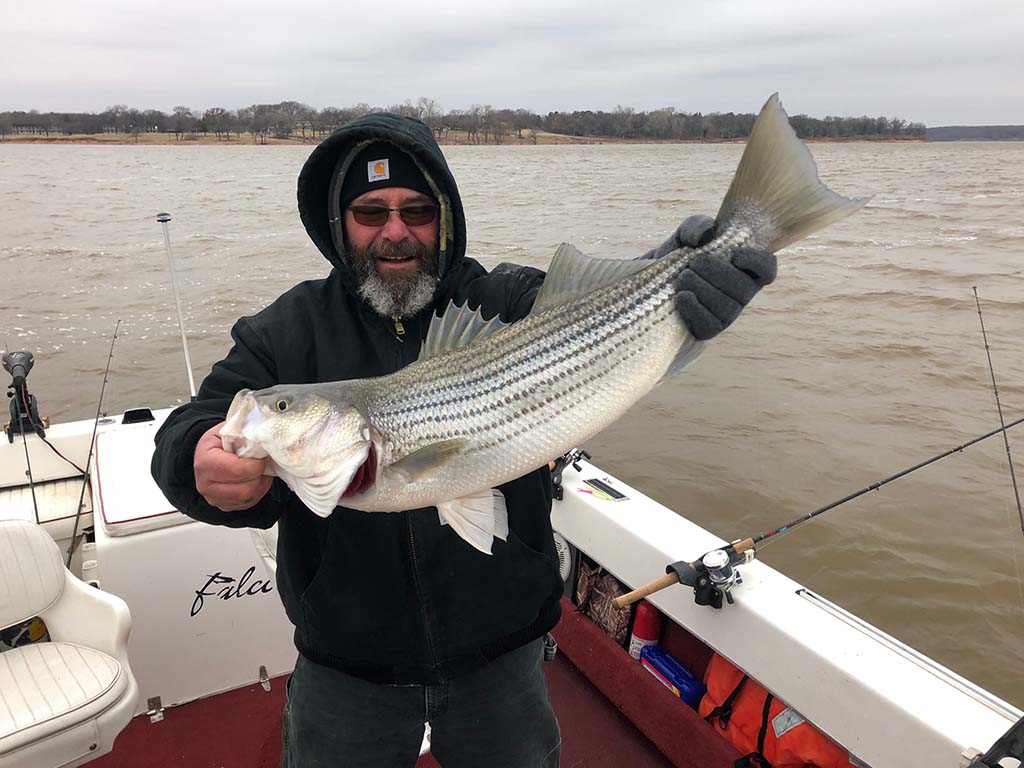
[646,628]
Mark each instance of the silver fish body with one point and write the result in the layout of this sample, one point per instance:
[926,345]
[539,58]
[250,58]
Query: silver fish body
[529,392]
[468,417]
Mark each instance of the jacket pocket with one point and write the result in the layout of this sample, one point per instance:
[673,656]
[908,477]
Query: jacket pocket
[321,569]
[358,608]
[487,598]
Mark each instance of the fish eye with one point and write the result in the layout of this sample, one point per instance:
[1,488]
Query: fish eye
[282,405]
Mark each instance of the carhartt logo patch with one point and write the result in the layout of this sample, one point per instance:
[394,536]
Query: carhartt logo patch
[378,170]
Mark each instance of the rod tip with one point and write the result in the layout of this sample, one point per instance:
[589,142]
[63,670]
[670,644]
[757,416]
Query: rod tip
[163,218]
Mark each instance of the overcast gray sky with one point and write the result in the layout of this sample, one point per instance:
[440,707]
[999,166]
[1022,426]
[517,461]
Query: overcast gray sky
[939,62]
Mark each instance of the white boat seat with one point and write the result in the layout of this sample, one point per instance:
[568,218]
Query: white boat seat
[47,687]
[63,702]
[56,502]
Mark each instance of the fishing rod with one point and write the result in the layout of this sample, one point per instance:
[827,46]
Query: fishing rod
[165,219]
[92,444]
[714,574]
[999,407]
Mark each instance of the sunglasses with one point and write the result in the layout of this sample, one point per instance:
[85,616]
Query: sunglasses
[377,215]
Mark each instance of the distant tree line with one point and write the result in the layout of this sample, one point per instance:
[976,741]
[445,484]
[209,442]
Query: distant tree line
[976,133]
[480,124]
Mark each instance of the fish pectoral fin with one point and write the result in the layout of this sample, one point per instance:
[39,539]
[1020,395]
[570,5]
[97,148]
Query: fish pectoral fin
[421,462]
[573,273]
[478,519]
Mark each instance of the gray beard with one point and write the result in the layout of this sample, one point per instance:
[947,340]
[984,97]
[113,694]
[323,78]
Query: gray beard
[390,300]
[398,297]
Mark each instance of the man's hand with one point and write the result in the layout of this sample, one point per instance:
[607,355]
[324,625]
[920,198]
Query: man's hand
[712,292]
[226,481]
[694,232]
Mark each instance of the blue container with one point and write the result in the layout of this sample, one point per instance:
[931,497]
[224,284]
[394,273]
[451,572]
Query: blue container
[672,674]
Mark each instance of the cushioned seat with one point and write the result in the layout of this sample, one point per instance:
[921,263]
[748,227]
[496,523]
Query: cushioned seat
[45,687]
[63,702]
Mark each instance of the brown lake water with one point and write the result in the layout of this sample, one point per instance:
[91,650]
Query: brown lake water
[864,357]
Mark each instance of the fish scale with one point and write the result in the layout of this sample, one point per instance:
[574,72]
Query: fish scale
[555,383]
[474,413]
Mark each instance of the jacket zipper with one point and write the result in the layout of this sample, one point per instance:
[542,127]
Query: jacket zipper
[424,613]
[428,628]
[398,333]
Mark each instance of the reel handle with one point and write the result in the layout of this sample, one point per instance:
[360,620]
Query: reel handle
[647,589]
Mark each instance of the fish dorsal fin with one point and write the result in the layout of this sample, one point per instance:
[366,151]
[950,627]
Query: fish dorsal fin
[456,328]
[573,274]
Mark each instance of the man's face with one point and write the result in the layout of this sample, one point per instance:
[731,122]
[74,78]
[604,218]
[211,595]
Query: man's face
[396,262]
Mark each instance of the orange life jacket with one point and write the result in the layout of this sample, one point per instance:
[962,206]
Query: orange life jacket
[768,733]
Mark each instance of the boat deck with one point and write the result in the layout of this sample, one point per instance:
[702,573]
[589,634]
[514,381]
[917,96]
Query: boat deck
[242,729]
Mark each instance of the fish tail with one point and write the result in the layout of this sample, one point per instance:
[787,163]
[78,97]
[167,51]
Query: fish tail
[776,187]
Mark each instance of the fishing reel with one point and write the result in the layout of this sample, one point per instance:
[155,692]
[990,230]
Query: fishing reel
[24,408]
[715,574]
[570,458]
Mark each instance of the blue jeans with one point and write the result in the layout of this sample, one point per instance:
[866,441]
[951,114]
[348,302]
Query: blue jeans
[499,716]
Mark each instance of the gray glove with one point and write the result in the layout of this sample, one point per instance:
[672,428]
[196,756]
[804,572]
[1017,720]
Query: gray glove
[694,232]
[712,292]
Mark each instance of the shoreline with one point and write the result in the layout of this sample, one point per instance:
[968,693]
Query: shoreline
[454,138]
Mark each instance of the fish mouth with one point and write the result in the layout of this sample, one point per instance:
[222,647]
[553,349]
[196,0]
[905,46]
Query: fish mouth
[240,416]
[365,476]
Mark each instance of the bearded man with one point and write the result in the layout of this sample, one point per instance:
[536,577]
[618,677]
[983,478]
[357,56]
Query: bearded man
[398,621]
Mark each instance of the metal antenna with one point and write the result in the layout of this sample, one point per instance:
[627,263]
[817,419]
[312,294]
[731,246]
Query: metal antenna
[999,407]
[164,219]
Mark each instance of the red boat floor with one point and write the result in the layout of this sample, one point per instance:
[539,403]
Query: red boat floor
[242,729]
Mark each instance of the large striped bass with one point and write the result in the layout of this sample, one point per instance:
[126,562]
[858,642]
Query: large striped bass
[486,402]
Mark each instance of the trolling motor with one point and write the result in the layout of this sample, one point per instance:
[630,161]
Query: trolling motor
[24,408]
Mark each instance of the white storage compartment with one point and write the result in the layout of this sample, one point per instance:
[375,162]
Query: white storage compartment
[205,615]
[127,498]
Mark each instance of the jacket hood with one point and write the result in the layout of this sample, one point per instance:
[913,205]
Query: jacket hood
[323,171]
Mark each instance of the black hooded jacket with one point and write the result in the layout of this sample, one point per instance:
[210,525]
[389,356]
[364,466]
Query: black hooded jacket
[389,597]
